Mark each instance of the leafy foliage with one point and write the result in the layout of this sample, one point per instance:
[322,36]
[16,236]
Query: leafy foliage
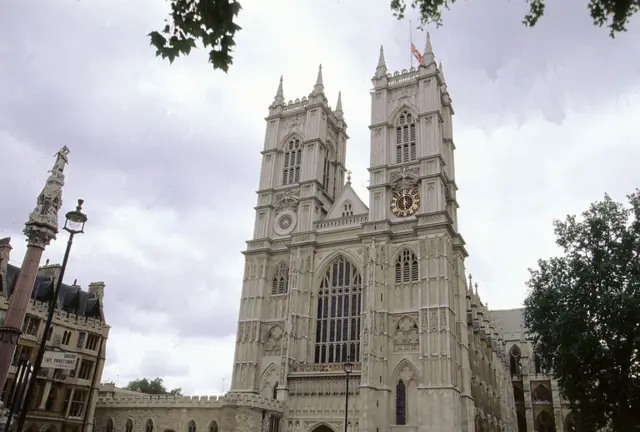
[583,312]
[615,14]
[154,387]
[211,22]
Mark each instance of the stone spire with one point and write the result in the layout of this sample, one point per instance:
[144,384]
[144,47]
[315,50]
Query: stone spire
[319,87]
[381,69]
[42,225]
[339,113]
[279,99]
[428,57]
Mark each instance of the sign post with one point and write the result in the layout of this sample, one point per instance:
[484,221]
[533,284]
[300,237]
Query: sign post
[59,360]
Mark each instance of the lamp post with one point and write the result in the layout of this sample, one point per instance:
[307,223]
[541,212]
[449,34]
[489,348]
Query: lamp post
[348,368]
[74,224]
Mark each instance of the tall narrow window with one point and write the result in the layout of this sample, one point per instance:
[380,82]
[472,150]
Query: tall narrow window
[325,171]
[292,161]
[405,138]
[149,426]
[129,426]
[401,403]
[407,267]
[514,362]
[213,427]
[338,314]
[109,425]
[280,284]
[347,209]
[192,426]
[275,390]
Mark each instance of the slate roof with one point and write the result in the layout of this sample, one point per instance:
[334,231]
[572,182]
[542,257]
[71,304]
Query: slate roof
[71,299]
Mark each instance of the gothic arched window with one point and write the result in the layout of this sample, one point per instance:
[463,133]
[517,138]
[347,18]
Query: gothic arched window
[149,426]
[347,209]
[325,170]
[213,427]
[192,426]
[514,360]
[280,284]
[405,138]
[292,161]
[407,267]
[338,314]
[275,391]
[401,403]
[129,426]
[109,427]
[545,422]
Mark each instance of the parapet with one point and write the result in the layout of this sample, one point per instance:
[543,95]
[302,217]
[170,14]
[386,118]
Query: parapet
[169,401]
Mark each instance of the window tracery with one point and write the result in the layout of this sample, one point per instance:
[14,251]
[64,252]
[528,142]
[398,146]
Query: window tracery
[514,361]
[405,138]
[338,314]
[292,162]
[280,283]
[407,267]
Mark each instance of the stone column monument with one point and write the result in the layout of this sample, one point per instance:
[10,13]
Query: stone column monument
[40,229]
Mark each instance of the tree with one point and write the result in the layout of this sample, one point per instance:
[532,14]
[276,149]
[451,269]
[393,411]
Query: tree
[212,23]
[583,314]
[153,387]
[615,14]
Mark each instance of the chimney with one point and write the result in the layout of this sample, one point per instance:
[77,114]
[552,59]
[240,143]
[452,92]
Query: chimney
[97,288]
[5,253]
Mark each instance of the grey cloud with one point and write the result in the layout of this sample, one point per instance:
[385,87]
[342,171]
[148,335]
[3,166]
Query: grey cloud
[157,364]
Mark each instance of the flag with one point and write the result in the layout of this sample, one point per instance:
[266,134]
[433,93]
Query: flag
[416,53]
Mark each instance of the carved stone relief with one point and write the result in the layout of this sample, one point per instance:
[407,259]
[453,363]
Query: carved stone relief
[405,336]
[405,178]
[287,200]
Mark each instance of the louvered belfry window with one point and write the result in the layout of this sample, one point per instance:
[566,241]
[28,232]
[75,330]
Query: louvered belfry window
[280,283]
[292,162]
[407,267]
[406,138]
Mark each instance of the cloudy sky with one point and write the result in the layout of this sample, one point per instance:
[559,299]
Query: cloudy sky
[167,157]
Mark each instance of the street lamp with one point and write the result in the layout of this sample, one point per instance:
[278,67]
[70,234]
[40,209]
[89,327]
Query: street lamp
[74,224]
[348,368]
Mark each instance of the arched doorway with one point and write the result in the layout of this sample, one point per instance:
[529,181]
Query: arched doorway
[322,428]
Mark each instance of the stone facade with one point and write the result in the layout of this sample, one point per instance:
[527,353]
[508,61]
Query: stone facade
[329,281]
[62,400]
[539,404]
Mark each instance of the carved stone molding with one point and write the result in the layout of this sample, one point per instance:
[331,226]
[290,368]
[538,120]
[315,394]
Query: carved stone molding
[288,200]
[405,178]
[405,337]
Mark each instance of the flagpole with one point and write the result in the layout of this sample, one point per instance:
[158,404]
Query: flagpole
[410,45]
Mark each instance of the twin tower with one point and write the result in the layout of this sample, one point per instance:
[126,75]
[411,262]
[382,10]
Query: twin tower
[330,280]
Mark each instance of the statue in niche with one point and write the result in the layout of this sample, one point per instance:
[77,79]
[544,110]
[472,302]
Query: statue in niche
[373,254]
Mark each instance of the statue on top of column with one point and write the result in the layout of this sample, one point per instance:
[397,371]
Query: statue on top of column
[42,225]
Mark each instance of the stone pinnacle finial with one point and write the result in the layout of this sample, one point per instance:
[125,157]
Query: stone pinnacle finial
[381,69]
[42,225]
[476,288]
[339,112]
[279,99]
[348,178]
[428,56]
[318,89]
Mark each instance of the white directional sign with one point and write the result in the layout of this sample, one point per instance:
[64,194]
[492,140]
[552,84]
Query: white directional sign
[59,360]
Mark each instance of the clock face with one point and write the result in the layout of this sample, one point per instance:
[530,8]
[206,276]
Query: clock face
[405,202]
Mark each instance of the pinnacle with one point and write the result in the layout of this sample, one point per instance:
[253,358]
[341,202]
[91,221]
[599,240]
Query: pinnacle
[318,89]
[339,104]
[381,61]
[428,56]
[279,99]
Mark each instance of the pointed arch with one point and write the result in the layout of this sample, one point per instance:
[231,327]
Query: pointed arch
[339,302]
[347,208]
[282,146]
[109,426]
[406,106]
[148,427]
[328,261]
[541,393]
[268,379]
[213,426]
[401,403]
[545,422]
[322,427]
[192,426]
[406,371]
[280,281]
[406,265]
[128,425]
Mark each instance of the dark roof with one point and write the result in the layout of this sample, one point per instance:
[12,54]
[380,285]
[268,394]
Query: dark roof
[71,299]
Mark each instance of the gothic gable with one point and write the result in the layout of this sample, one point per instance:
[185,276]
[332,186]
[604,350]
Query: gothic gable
[347,204]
